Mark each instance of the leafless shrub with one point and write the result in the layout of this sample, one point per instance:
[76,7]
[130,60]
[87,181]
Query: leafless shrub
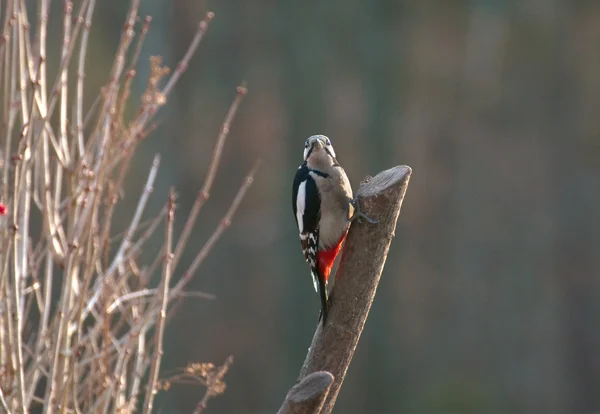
[80,324]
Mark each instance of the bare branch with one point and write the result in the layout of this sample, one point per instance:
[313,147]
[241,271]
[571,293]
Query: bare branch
[204,193]
[150,110]
[185,62]
[160,329]
[213,379]
[225,223]
[125,244]
[308,396]
[81,77]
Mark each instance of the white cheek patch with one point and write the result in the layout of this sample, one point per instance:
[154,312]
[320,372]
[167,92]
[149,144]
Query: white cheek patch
[301,205]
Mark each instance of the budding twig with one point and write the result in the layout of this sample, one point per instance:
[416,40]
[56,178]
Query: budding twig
[158,337]
[204,193]
[225,223]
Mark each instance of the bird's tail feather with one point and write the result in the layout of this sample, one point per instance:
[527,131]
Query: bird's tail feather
[324,300]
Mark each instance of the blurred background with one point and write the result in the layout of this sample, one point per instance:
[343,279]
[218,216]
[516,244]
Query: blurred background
[489,299]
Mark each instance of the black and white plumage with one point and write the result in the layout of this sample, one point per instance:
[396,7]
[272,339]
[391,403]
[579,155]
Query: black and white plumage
[307,209]
[323,208]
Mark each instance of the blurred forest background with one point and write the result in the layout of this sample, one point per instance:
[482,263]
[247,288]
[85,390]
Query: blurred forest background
[489,300]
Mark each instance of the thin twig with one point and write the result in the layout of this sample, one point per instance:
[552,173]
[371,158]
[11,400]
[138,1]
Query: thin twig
[3,402]
[204,193]
[21,236]
[183,65]
[118,260]
[80,78]
[160,329]
[150,110]
[224,224]
[214,384]
[130,296]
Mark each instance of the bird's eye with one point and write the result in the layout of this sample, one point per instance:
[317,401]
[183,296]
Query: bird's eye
[306,144]
[327,141]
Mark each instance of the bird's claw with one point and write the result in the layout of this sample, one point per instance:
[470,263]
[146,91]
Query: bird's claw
[362,215]
[359,214]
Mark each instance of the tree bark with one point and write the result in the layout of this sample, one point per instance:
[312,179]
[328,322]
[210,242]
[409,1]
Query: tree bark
[356,280]
[308,396]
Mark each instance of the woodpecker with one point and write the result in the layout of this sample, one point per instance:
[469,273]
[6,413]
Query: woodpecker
[324,208]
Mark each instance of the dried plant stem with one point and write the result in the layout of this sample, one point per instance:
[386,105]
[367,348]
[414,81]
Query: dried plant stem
[81,77]
[204,193]
[15,326]
[83,322]
[184,63]
[21,205]
[158,337]
[137,217]
[3,402]
[149,110]
[224,224]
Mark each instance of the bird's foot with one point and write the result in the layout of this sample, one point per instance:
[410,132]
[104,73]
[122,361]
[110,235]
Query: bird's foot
[359,214]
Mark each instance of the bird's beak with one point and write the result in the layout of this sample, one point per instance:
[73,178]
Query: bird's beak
[319,143]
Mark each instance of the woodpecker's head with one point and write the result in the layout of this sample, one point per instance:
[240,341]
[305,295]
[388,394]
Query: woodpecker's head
[319,149]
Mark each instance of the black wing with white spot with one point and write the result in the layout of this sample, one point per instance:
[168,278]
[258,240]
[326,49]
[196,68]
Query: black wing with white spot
[306,204]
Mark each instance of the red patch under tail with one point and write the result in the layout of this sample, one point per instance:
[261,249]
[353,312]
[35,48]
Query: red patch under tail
[325,259]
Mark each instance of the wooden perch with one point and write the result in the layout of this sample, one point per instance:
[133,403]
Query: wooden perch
[308,396]
[356,280]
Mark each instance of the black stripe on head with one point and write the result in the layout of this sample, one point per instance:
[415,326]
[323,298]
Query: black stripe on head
[312,146]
